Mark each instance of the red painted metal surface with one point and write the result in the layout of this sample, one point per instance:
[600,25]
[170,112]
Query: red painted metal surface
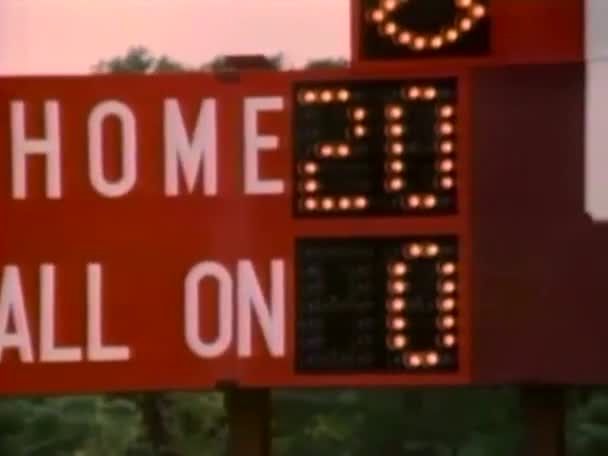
[147,242]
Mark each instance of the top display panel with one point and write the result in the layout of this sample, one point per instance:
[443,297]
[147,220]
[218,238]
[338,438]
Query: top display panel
[482,31]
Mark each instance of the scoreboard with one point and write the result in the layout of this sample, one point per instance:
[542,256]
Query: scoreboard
[415,219]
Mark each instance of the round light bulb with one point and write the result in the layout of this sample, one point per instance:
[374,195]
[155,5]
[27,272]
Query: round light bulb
[360,202]
[431,250]
[395,184]
[344,203]
[414,201]
[446,183]
[432,359]
[326,150]
[446,166]
[327,96]
[396,305]
[310,168]
[343,150]
[397,148]
[430,201]
[311,204]
[311,186]
[343,95]
[447,304]
[398,342]
[448,340]
[405,38]
[327,203]
[448,268]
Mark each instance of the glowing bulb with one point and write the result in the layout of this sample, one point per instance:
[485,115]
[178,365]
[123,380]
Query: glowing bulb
[446,166]
[390,5]
[448,287]
[396,166]
[310,168]
[326,150]
[398,286]
[344,203]
[478,11]
[414,92]
[377,15]
[430,93]
[311,186]
[327,96]
[359,114]
[447,322]
[397,342]
[466,24]
[446,182]
[343,95]
[446,111]
[396,305]
[431,250]
[395,184]
[451,35]
[360,202]
[309,96]
[432,359]
[390,28]
[398,268]
[464,3]
[447,304]
[397,148]
[327,204]
[415,250]
[311,204]
[448,268]
[397,323]
[436,42]
[405,37]
[394,112]
[419,43]
[359,131]
[415,360]
[343,150]
[449,340]
[414,201]
[430,201]
[396,130]
[446,128]
[446,147]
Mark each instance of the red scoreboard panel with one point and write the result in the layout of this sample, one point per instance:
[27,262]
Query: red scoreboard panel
[412,222]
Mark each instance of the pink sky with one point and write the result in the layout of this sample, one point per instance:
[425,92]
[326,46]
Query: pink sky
[69,36]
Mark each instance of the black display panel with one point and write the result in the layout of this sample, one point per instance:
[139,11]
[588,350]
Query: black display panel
[413,29]
[375,148]
[377,304]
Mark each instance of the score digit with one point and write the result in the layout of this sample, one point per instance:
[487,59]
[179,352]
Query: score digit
[376,148]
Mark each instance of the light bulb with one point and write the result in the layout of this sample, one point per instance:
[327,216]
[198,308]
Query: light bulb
[447,304]
[432,358]
[344,203]
[396,305]
[327,203]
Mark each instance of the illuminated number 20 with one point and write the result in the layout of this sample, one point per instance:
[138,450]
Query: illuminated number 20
[384,148]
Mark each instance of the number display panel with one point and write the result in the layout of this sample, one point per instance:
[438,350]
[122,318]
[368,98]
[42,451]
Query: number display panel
[384,147]
[377,304]
[425,28]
